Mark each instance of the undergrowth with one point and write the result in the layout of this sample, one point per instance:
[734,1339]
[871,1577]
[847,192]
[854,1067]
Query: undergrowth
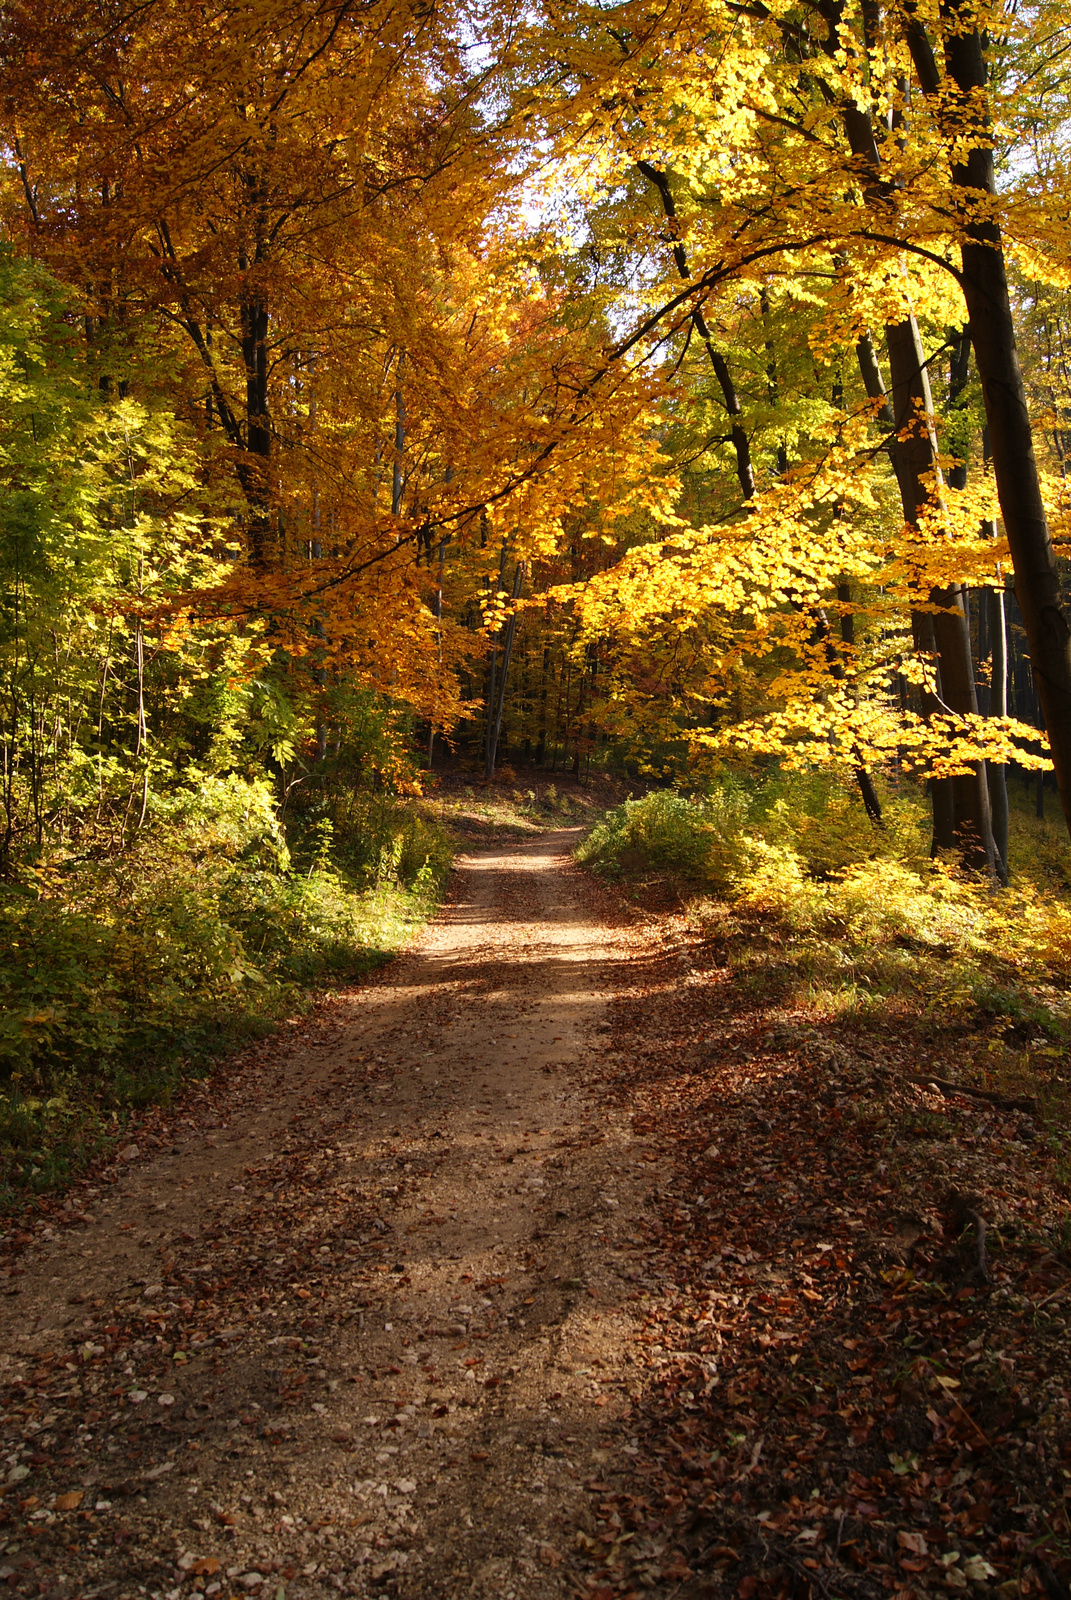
[123,976]
[847,922]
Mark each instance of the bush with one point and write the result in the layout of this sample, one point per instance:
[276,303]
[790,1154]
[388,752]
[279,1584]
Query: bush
[121,978]
[856,899]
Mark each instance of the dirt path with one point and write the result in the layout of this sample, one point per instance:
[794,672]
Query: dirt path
[362,1320]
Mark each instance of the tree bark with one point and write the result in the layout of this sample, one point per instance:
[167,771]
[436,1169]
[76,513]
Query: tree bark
[984,279]
[998,707]
[741,444]
[254,472]
[492,666]
[961,819]
[495,726]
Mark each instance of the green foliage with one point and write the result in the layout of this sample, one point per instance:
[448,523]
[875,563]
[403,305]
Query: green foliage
[157,904]
[875,925]
[123,975]
[743,827]
[663,829]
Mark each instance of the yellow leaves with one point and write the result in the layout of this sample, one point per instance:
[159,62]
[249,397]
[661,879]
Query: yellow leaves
[841,728]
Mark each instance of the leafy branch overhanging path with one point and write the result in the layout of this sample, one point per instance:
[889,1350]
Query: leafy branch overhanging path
[538,1266]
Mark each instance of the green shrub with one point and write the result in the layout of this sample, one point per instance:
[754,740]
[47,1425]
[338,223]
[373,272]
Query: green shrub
[870,912]
[122,977]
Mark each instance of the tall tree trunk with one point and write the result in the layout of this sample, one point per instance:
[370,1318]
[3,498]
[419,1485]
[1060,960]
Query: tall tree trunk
[437,613]
[964,106]
[867,790]
[397,489]
[495,723]
[998,707]
[961,816]
[489,740]
[960,813]
[541,742]
[255,471]
[741,444]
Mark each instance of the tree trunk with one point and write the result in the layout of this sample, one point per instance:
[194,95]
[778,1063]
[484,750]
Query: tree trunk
[489,699]
[961,818]
[254,472]
[437,613]
[495,724]
[998,707]
[541,741]
[985,289]
[741,444]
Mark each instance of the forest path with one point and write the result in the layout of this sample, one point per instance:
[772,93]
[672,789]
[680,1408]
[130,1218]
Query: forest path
[362,1324]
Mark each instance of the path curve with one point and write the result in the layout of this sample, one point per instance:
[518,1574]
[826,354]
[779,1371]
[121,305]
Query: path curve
[362,1324]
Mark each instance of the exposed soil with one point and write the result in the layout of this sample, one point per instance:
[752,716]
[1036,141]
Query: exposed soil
[362,1322]
[561,1258]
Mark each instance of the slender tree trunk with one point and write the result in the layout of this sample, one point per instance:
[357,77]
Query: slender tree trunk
[741,444]
[437,613]
[398,471]
[998,707]
[541,742]
[961,814]
[495,726]
[492,681]
[772,383]
[867,790]
[255,471]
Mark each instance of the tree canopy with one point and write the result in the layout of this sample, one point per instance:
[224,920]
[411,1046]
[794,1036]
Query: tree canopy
[703,365]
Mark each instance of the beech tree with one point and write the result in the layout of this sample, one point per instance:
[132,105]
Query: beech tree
[592,319]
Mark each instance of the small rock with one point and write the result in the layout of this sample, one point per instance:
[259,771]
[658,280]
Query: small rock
[129,1152]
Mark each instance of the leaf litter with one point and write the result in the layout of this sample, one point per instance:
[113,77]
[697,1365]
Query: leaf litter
[854,1290]
[713,1302]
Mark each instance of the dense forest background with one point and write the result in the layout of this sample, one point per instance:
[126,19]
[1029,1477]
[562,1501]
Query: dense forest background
[392,392]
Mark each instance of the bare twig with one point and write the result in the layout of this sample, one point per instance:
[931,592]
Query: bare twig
[1003,1102]
[980,1269]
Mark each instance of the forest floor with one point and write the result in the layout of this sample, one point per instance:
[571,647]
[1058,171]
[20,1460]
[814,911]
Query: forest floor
[548,1261]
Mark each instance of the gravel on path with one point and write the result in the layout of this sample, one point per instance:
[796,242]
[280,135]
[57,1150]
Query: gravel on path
[356,1318]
